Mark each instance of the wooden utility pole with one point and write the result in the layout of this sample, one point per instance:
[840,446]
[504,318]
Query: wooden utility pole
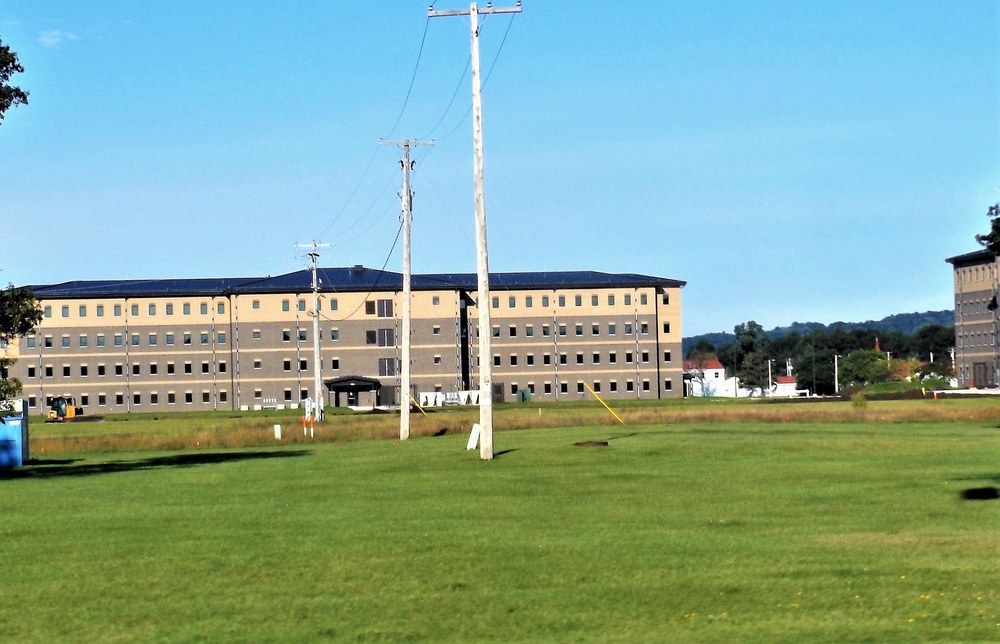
[406,197]
[482,259]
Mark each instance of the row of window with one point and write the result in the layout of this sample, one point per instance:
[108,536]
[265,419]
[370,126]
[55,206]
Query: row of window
[978,306]
[134,309]
[547,387]
[975,340]
[612,358]
[595,300]
[118,369]
[118,339]
[974,274]
[578,328]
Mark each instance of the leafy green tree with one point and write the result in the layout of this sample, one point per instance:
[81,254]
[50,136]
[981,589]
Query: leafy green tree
[750,337]
[865,366]
[701,348]
[10,95]
[19,315]
[753,374]
[991,240]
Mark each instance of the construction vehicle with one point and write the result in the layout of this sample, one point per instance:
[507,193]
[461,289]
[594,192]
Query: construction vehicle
[64,408]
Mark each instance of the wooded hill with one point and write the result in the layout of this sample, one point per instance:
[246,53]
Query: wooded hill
[905,323]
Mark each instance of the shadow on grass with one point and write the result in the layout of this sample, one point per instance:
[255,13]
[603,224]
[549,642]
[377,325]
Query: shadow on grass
[65,467]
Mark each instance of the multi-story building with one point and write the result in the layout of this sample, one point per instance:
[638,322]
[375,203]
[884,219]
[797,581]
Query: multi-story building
[976,363]
[203,344]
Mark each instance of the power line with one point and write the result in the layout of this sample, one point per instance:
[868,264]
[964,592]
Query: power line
[381,271]
[416,66]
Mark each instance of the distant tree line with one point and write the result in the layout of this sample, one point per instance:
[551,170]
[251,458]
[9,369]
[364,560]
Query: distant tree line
[865,356]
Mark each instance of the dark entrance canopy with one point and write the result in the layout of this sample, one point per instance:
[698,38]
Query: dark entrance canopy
[352,386]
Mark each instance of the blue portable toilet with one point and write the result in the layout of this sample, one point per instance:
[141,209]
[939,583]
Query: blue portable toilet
[14,438]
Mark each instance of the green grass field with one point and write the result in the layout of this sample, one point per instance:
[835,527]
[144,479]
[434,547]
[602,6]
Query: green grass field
[685,531]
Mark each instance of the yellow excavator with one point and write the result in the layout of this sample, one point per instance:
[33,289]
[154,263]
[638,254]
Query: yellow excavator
[63,409]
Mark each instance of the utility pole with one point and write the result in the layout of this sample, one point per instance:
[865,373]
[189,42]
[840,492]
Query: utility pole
[836,373]
[319,413]
[482,259]
[406,198]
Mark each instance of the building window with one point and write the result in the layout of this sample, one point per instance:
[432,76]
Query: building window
[578,300]
[628,357]
[513,331]
[152,339]
[666,356]
[135,369]
[579,329]
[170,368]
[612,329]
[545,330]
[31,372]
[612,357]
[370,307]
[188,397]
[564,387]
[302,335]
[666,299]
[437,360]
[613,386]
[645,357]
[545,301]
[302,305]
[285,306]
[119,399]
[562,358]
[83,340]
[593,300]
[386,366]
[152,309]
[496,360]
[597,358]
[286,335]
[645,385]
[527,301]
[186,339]
[30,342]
[642,302]
[205,367]
[335,364]
[152,369]
[135,339]
[204,337]
[529,359]
[611,300]
[579,358]
[256,363]
[221,337]
[170,309]
[547,388]
[595,329]
[668,384]
[47,311]
[666,327]
[65,311]
[83,310]
[288,395]
[100,310]
[496,331]
[436,330]
[154,398]
[385,308]
[135,310]
[303,365]
[513,389]
[597,385]
[579,387]
[513,361]
[287,364]
[221,308]
[628,299]
[386,337]
[496,302]
[222,367]
[628,328]
[203,308]
[562,329]
[644,328]
[65,341]
[511,302]
[186,308]
[187,367]
[66,371]
[562,300]
[435,300]
[205,397]
[334,334]
[100,370]
[529,330]
[629,385]
[546,358]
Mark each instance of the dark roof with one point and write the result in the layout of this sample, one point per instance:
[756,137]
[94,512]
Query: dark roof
[975,257]
[353,279]
[353,383]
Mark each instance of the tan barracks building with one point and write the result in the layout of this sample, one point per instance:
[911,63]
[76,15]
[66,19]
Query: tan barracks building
[976,362]
[221,344]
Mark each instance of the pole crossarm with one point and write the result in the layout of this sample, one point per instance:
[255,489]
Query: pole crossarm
[489,8]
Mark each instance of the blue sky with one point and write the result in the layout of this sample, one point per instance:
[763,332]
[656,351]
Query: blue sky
[792,161]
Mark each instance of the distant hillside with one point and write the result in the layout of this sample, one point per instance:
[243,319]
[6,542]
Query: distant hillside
[905,323]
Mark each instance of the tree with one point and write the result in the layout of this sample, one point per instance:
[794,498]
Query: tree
[865,366]
[991,240]
[10,95]
[754,374]
[19,315]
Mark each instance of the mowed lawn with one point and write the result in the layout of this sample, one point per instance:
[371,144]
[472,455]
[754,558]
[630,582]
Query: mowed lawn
[715,532]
